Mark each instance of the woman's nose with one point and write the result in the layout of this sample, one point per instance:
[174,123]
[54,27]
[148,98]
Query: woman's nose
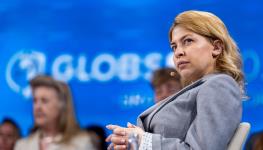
[179,52]
[37,105]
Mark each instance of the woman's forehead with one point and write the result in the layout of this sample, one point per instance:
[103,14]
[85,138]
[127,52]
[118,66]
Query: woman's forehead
[179,33]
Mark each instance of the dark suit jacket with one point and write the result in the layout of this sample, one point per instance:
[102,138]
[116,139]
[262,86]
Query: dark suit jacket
[202,116]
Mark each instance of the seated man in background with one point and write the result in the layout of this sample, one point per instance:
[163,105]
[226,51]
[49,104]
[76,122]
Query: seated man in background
[165,82]
[9,134]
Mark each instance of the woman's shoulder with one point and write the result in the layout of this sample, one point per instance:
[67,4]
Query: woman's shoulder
[82,140]
[81,135]
[218,77]
[27,142]
[220,83]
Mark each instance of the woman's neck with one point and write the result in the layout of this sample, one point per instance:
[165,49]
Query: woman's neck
[189,80]
[49,131]
[185,81]
[47,137]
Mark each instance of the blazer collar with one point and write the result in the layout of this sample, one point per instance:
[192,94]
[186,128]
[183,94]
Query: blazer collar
[155,108]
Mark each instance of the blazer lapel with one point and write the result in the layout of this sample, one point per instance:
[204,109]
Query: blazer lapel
[146,113]
[171,98]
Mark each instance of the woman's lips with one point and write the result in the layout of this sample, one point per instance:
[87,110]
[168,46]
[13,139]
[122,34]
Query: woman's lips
[182,64]
[39,114]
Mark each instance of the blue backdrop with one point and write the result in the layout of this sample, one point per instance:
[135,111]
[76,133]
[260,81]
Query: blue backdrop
[106,51]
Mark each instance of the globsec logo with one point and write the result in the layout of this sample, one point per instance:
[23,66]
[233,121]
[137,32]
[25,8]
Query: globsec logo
[22,67]
[104,67]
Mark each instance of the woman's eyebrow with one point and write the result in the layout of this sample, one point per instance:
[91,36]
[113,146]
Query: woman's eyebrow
[173,43]
[185,36]
[181,39]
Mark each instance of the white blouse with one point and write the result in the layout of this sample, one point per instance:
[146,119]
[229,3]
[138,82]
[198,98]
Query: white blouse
[146,141]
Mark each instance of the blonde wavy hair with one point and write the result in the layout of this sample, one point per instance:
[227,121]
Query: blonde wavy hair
[210,26]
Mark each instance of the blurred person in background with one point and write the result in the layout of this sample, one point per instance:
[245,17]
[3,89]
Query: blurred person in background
[99,136]
[55,125]
[255,141]
[165,82]
[9,134]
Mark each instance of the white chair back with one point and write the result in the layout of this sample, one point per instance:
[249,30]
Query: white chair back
[239,137]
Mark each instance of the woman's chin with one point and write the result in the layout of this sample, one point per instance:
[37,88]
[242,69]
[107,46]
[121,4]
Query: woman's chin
[40,122]
[185,74]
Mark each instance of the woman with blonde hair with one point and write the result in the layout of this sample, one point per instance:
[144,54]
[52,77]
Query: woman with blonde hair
[55,125]
[206,112]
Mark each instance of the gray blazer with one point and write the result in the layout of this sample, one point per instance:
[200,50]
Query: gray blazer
[202,116]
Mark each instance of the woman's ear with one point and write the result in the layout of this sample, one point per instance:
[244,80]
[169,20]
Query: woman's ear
[218,48]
